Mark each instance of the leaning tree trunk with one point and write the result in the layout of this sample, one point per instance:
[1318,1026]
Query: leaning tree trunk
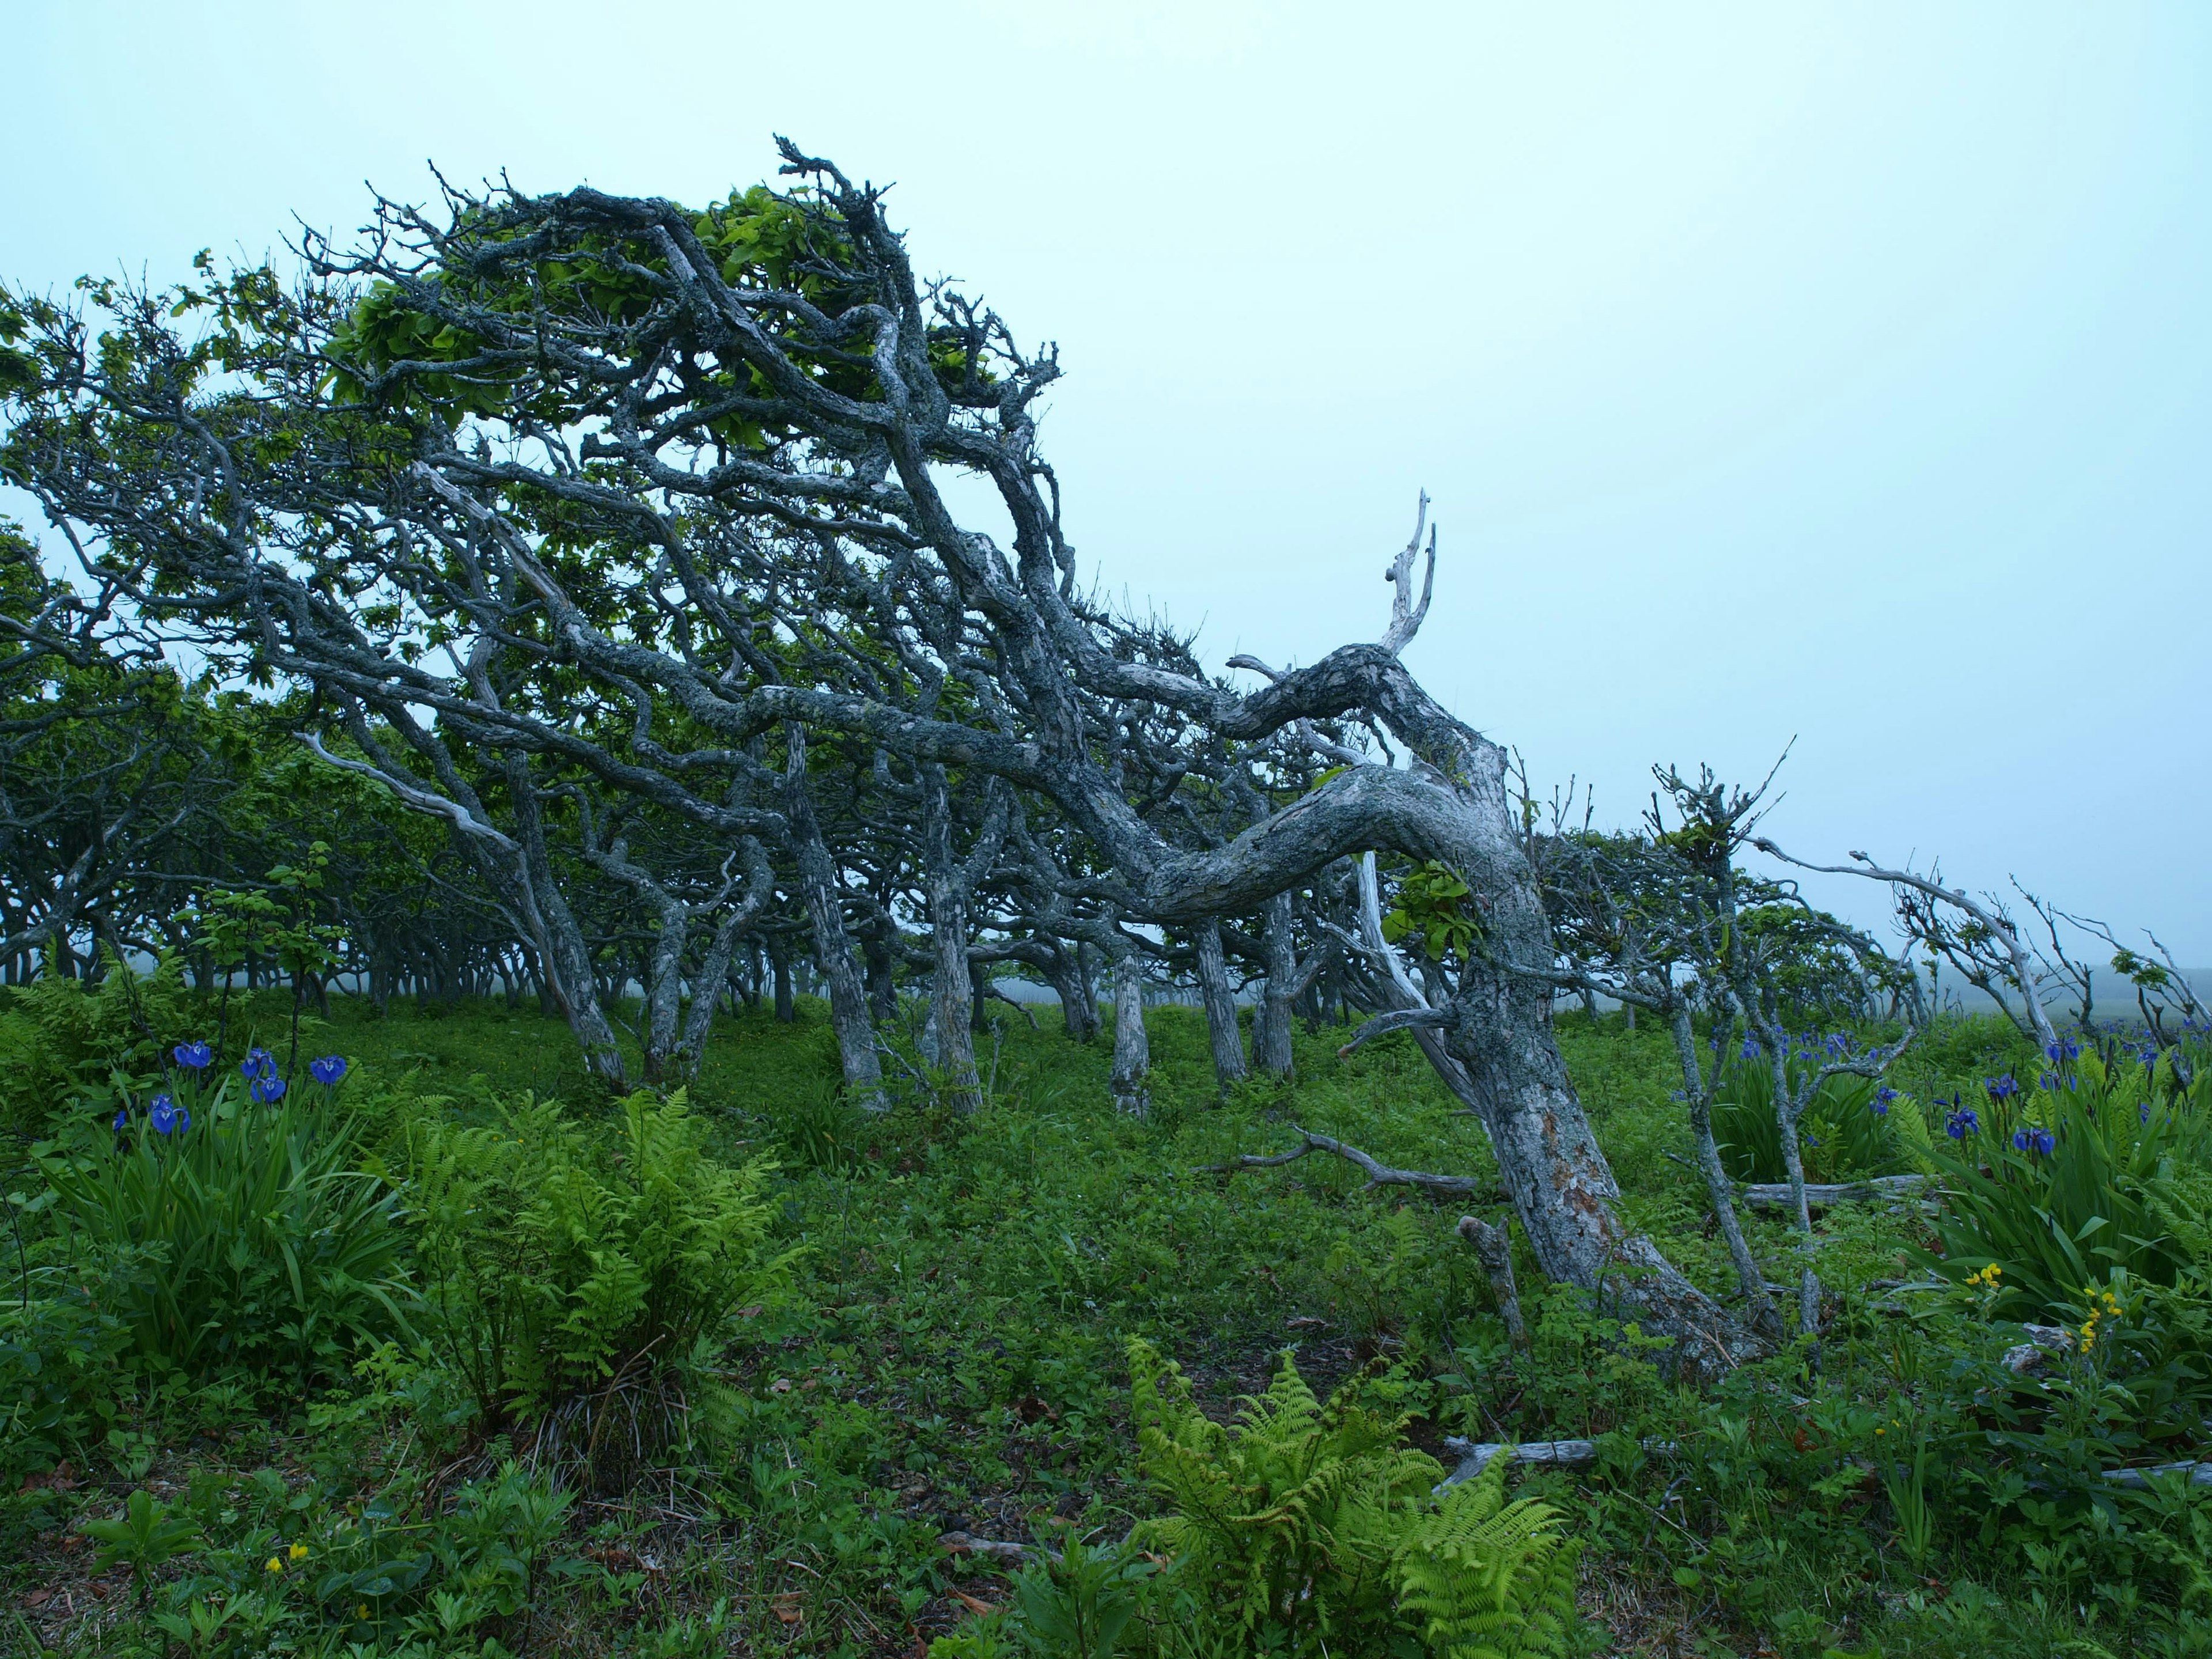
[1132,1052]
[707,989]
[1786,1109]
[1492,1039]
[563,958]
[821,893]
[1720,1191]
[1271,1022]
[1229,1068]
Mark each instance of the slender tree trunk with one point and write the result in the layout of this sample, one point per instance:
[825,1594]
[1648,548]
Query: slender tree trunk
[1271,1024]
[1720,1191]
[715,973]
[822,892]
[951,987]
[564,960]
[1132,1052]
[882,982]
[779,957]
[1229,1068]
[1078,1013]
[1793,1165]
[664,991]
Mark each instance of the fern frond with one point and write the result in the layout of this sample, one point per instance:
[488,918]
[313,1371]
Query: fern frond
[1488,1579]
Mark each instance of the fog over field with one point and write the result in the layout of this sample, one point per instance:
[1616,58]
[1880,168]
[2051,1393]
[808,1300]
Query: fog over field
[1778,373]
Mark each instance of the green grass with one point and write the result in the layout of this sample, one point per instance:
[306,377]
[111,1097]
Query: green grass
[970,1288]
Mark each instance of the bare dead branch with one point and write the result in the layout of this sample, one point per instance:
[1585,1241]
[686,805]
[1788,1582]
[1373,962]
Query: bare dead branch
[1379,1174]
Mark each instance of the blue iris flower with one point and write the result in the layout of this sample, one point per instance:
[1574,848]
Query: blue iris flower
[1962,1123]
[2043,1140]
[268,1090]
[1882,1096]
[194,1056]
[123,1118]
[167,1117]
[327,1070]
[1751,1047]
[258,1062]
[2001,1088]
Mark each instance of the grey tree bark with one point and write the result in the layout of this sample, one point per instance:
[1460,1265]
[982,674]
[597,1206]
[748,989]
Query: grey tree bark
[952,883]
[1132,1052]
[1271,1020]
[1720,1191]
[1078,1008]
[1227,1042]
[821,893]
[779,958]
[867,476]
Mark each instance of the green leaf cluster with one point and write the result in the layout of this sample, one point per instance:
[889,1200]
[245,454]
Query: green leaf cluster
[1839,1133]
[1435,906]
[88,1042]
[554,1263]
[1313,1527]
[249,1244]
[2127,1146]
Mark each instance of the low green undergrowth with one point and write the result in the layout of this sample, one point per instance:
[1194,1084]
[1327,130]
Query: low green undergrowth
[715,1377]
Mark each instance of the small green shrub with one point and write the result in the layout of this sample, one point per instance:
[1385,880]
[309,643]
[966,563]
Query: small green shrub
[86,1043]
[248,1242]
[824,1130]
[1312,1527]
[1489,1579]
[143,1536]
[60,1349]
[555,1274]
[2065,1188]
[1841,1133]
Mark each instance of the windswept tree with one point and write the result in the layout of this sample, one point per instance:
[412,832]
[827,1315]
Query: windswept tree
[688,466]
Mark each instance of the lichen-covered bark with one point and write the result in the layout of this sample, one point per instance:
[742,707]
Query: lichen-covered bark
[1221,1033]
[1271,1021]
[1132,1052]
[822,894]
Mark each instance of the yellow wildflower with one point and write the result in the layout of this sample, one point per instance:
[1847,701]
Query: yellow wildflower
[298,1551]
[273,1565]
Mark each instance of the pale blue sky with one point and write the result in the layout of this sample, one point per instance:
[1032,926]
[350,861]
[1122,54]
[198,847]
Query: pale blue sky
[1835,371]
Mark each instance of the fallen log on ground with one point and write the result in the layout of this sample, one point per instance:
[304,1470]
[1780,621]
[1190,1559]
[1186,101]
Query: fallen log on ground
[998,1549]
[1379,1174]
[1473,1459]
[2200,1474]
[1580,1454]
[1777,1195]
